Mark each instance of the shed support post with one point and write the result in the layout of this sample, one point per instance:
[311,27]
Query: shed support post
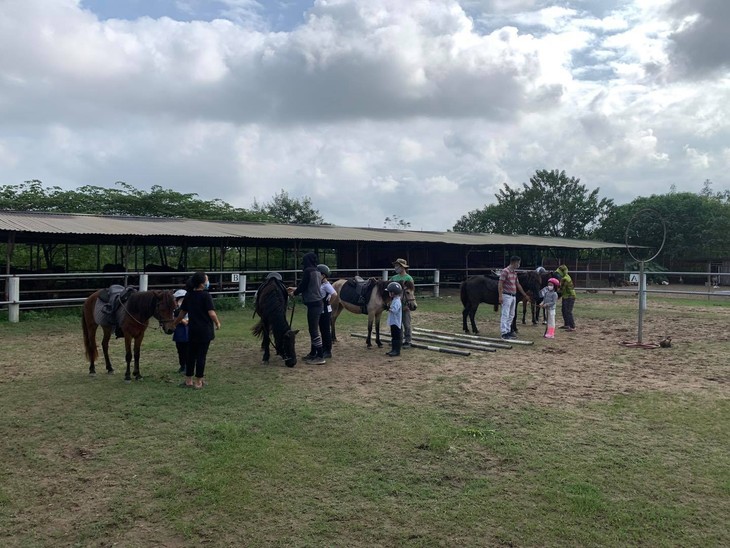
[242,290]
[436,283]
[14,294]
[143,281]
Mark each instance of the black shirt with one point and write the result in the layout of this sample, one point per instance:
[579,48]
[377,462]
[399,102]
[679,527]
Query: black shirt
[200,326]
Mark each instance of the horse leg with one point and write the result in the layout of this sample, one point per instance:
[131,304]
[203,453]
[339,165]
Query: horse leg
[377,331]
[369,341]
[472,314]
[105,348]
[128,356]
[335,313]
[137,347]
[265,344]
[91,345]
[464,314]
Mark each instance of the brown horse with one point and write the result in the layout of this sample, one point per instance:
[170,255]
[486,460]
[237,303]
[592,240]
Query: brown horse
[134,316]
[374,308]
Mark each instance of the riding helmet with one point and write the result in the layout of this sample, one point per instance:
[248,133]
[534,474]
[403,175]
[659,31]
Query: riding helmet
[554,281]
[394,287]
[324,270]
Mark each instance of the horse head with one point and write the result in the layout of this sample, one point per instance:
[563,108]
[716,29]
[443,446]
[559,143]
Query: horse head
[163,304]
[409,295]
[286,347]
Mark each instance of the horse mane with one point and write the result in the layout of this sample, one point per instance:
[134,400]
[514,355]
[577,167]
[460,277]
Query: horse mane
[409,285]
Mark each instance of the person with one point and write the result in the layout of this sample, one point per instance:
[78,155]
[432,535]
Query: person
[568,294]
[198,304]
[395,318]
[402,276]
[325,318]
[549,301]
[180,335]
[507,289]
[309,289]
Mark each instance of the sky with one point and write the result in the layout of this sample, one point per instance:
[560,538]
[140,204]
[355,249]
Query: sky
[405,109]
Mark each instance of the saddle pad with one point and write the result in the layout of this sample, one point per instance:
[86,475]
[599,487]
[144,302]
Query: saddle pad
[103,318]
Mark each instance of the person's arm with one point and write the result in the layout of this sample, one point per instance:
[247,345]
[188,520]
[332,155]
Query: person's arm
[214,317]
[525,295]
[500,287]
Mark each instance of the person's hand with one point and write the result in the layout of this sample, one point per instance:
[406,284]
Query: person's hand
[290,290]
[500,299]
[218,325]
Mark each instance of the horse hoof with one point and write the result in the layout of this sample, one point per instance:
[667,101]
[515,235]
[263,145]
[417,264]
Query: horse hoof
[128,381]
[92,373]
[110,372]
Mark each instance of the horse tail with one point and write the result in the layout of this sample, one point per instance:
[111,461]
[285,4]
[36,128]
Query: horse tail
[258,329]
[463,294]
[92,352]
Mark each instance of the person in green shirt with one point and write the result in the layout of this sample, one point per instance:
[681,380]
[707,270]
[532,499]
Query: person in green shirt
[567,291]
[402,276]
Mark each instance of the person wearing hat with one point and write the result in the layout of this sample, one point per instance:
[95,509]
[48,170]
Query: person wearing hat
[325,318]
[402,276]
[180,335]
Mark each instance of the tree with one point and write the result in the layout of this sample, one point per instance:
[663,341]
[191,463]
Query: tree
[122,200]
[552,204]
[284,209]
[395,222]
[697,225]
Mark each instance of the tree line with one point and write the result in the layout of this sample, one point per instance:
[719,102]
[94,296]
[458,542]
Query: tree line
[550,204]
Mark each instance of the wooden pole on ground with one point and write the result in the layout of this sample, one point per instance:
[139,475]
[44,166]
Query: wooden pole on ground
[422,346]
[455,338]
[477,337]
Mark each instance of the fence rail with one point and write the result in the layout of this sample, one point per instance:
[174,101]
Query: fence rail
[33,291]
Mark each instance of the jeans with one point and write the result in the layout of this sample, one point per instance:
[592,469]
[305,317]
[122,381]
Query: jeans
[509,306]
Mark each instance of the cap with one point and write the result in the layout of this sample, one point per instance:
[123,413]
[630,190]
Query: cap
[179,293]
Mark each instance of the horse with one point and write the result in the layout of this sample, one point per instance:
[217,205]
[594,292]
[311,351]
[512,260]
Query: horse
[271,299]
[536,299]
[373,308]
[134,316]
[485,289]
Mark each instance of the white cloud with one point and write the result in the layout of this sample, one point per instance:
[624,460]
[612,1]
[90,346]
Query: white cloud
[364,102]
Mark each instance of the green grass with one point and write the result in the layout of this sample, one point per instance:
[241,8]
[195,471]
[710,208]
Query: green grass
[264,458]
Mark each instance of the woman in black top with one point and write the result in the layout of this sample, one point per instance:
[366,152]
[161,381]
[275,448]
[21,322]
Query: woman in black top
[202,319]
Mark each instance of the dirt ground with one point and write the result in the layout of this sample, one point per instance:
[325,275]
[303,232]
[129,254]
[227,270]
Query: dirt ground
[575,367]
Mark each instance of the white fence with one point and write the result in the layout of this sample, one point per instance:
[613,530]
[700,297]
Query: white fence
[29,291]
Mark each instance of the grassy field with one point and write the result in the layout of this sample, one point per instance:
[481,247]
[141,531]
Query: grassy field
[366,452]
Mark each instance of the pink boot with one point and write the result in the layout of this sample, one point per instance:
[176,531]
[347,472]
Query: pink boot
[550,333]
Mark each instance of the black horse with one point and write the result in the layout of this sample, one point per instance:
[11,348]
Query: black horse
[485,289]
[271,299]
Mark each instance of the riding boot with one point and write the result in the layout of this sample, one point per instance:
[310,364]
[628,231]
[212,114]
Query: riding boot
[396,348]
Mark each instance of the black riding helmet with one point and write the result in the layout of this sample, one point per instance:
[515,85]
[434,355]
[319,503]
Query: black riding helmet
[394,287]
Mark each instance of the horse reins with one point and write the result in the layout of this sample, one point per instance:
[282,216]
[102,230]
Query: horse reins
[293,306]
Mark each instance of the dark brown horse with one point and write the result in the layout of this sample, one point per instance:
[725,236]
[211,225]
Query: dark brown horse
[271,299]
[485,289]
[374,308]
[134,316]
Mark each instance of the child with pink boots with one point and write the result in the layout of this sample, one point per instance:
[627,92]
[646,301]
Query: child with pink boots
[549,301]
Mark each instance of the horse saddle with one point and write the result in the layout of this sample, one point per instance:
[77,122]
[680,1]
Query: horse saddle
[357,291]
[107,308]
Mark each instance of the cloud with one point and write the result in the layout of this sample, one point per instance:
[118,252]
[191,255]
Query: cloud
[700,46]
[415,108]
